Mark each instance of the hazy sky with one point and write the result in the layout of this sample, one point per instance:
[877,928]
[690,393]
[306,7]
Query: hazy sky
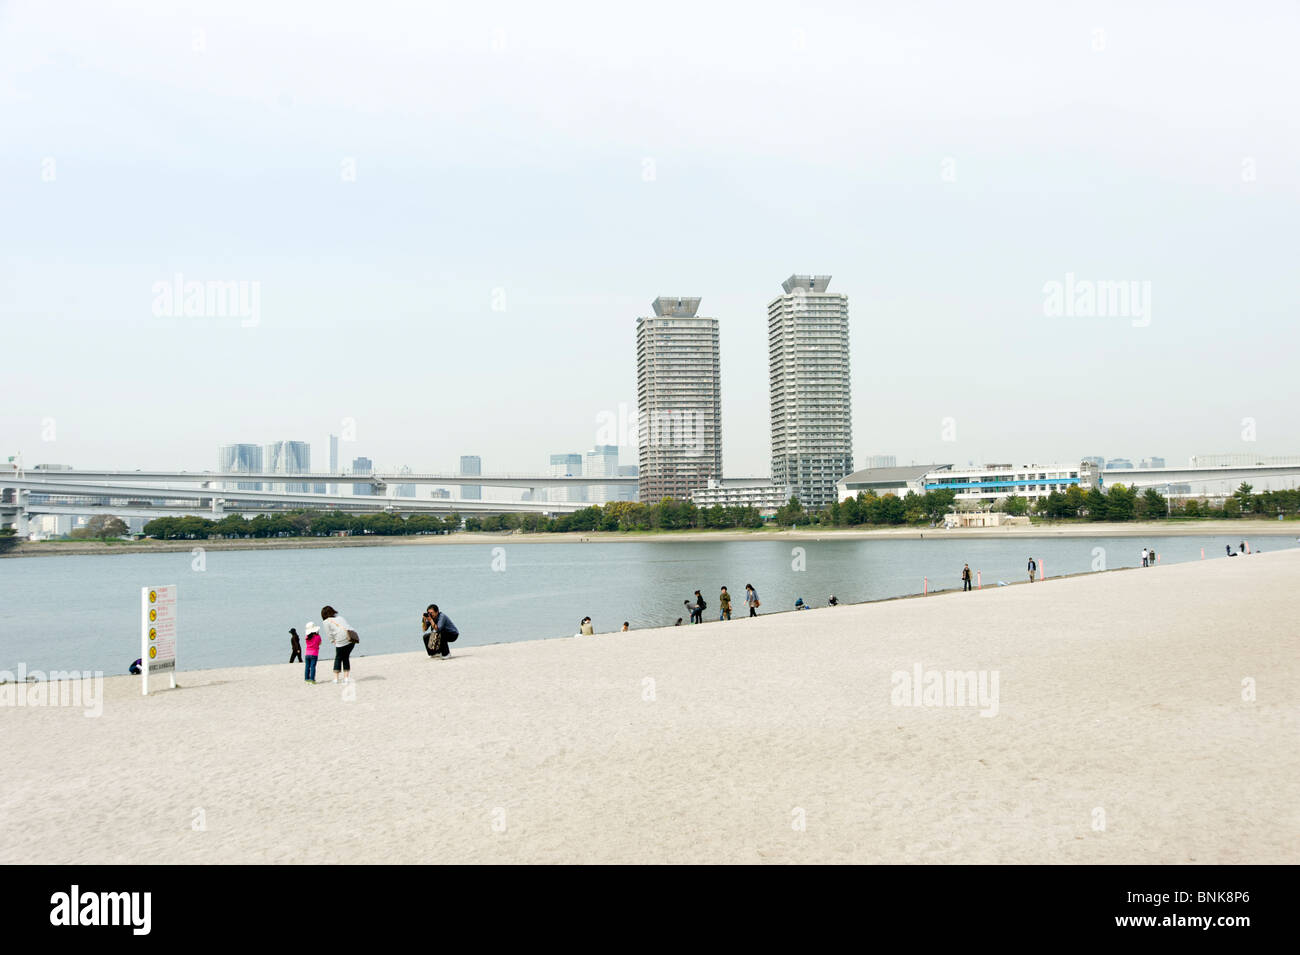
[455,214]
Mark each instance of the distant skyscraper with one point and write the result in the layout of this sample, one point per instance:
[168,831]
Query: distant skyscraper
[808,365]
[288,457]
[240,458]
[1100,462]
[627,492]
[363,466]
[567,465]
[405,490]
[1152,462]
[679,400]
[881,461]
[471,465]
[1118,463]
[601,461]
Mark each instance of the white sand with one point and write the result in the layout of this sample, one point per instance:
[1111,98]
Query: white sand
[1119,692]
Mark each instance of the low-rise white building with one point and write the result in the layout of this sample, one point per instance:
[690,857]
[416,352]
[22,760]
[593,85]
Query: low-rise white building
[992,482]
[759,493]
[897,481]
[982,483]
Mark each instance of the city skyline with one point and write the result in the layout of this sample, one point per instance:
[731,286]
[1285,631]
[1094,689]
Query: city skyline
[947,211]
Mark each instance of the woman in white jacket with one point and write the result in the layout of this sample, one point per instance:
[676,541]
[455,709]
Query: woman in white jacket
[343,637]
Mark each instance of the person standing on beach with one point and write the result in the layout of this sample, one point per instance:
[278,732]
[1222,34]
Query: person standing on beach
[724,605]
[1144,556]
[295,648]
[751,600]
[343,638]
[313,653]
[1033,569]
[965,577]
[697,608]
[443,632]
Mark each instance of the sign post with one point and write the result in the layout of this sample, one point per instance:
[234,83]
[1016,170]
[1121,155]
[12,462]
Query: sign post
[157,633]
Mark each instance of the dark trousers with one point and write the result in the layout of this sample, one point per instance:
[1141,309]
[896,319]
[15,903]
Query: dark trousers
[341,658]
[435,645]
[965,584]
[295,656]
[752,611]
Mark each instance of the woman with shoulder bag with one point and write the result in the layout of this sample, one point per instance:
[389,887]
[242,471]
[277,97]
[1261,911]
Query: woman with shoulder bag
[343,637]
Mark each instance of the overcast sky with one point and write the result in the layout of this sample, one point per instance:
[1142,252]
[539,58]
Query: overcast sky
[455,214]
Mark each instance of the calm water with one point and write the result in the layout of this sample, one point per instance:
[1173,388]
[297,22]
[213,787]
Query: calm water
[83,612]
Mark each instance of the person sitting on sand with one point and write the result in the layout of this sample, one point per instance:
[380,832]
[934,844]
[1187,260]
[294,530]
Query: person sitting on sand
[678,623]
[833,602]
[799,604]
[136,666]
[585,628]
[626,628]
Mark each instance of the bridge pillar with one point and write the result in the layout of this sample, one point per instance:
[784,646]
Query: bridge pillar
[22,522]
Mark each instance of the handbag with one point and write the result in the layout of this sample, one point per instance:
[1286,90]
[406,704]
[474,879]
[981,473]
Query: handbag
[352,637]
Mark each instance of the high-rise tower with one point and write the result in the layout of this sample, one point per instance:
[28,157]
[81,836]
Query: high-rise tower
[808,365]
[679,400]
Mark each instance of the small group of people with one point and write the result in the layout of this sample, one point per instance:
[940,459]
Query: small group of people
[341,636]
[1148,556]
[437,632]
[1244,548]
[699,605]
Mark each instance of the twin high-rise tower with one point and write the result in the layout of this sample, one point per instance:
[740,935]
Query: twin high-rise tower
[679,400]
[679,394]
[808,368]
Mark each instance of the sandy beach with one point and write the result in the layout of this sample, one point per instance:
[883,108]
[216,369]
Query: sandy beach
[1245,529]
[1119,732]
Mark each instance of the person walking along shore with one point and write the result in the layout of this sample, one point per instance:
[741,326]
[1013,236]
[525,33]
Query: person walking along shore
[965,577]
[724,605]
[295,648]
[1033,569]
[751,600]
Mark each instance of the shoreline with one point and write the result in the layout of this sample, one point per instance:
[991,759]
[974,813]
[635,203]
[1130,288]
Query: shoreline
[1117,697]
[1244,528]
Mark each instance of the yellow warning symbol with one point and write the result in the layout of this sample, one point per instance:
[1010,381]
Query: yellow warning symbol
[153,632]
[153,614]
[153,652]
[153,596]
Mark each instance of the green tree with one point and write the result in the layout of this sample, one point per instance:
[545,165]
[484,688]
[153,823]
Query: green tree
[1015,505]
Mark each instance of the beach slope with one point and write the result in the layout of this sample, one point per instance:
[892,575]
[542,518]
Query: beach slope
[1140,716]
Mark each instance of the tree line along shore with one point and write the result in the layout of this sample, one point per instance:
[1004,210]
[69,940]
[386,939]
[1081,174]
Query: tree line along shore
[1117,504]
[865,513]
